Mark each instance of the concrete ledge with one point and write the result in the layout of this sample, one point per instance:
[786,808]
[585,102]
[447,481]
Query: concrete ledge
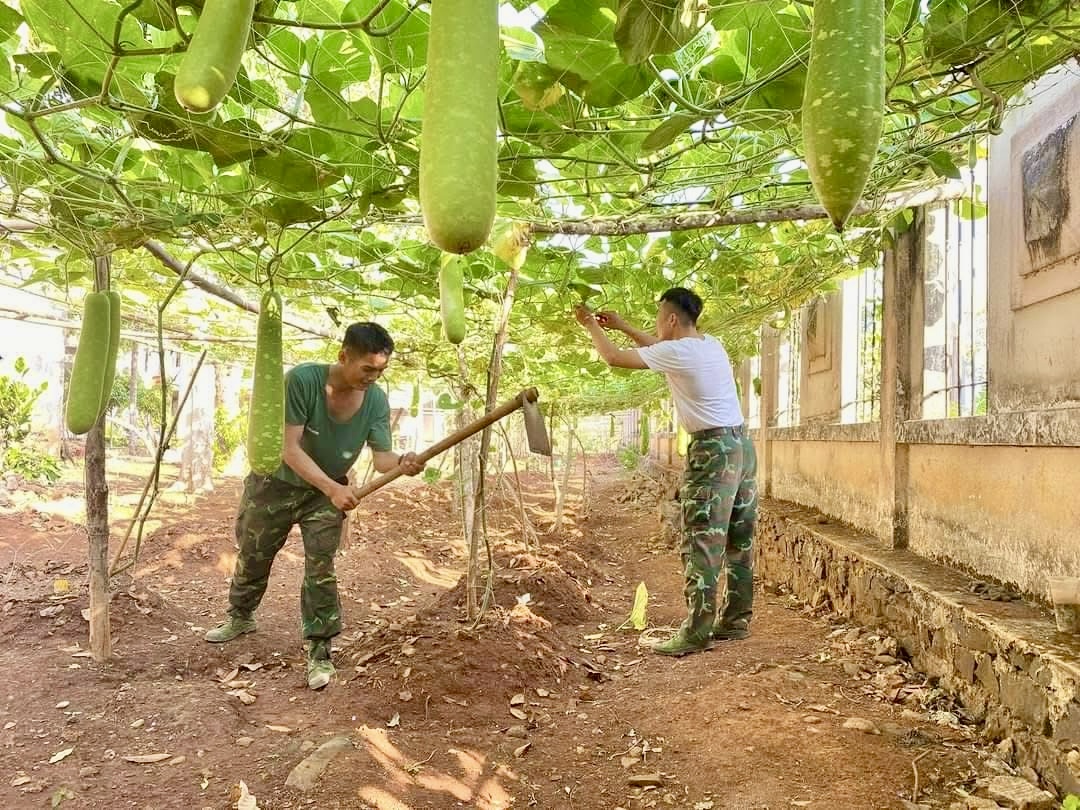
[825,432]
[1045,428]
[1005,661]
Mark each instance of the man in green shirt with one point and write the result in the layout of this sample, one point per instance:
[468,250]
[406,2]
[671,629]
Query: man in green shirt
[331,412]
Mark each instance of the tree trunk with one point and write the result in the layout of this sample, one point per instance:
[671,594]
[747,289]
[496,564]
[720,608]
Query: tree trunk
[133,402]
[527,531]
[584,477]
[568,462]
[502,326]
[197,457]
[97,515]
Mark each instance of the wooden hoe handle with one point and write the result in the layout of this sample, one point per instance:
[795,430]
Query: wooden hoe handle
[458,436]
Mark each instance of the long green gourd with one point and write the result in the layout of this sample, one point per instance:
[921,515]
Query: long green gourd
[458,146]
[266,419]
[844,101]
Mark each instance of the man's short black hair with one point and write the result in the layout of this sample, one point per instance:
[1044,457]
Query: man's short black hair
[687,304]
[367,338]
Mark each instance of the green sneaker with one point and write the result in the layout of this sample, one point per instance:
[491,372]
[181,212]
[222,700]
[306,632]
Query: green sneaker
[320,669]
[730,632]
[682,643]
[230,629]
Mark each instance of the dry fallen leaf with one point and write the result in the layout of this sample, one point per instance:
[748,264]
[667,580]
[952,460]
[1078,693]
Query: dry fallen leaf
[252,667]
[517,700]
[519,752]
[230,676]
[394,721]
[19,781]
[542,692]
[405,695]
[63,704]
[282,729]
[60,755]
[519,714]
[246,801]
[147,759]
[242,695]
[137,723]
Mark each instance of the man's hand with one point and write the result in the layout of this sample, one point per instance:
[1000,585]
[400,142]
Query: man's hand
[343,497]
[584,315]
[611,320]
[411,464]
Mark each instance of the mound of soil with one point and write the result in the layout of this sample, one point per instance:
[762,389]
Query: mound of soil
[536,581]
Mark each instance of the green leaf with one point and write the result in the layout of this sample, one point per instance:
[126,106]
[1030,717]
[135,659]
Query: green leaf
[522,45]
[943,165]
[578,37]
[10,19]
[616,85]
[723,69]
[517,178]
[401,51]
[287,47]
[668,131]
[648,27]
[82,33]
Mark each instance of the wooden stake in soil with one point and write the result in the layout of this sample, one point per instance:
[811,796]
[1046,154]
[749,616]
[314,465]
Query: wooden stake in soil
[97,514]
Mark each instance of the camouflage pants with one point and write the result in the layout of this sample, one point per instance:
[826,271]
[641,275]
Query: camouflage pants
[719,510]
[269,508]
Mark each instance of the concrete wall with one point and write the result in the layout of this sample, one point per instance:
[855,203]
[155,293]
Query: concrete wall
[1034,268]
[1003,512]
[837,477]
[991,494]
[819,395]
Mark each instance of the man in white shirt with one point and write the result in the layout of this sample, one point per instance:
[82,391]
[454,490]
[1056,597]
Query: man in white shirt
[719,491]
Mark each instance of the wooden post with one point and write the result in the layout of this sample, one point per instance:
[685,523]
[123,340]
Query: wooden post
[900,272]
[97,514]
[770,381]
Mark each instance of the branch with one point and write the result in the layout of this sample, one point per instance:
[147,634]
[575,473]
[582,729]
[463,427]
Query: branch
[16,225]
[217,290]
[894,201]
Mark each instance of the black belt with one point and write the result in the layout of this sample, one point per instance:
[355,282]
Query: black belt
[713,433]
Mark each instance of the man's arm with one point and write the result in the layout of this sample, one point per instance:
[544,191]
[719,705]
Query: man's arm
[609,352]
[304,465]
[613,320]
[384,461]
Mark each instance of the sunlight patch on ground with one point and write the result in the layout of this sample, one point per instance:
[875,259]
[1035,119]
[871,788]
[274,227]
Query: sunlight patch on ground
[415,775]
[426,571]
[226,563]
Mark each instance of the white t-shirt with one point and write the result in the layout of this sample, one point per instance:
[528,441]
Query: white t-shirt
[701,380]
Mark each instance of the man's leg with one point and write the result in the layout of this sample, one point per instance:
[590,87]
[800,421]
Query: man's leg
[714,471]
[266,513]
[734,621]
[320,606]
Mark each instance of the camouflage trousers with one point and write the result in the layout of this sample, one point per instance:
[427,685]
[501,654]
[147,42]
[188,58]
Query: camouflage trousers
[719,510]
[269,508]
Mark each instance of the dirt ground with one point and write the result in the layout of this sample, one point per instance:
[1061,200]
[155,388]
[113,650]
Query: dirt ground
[547,703]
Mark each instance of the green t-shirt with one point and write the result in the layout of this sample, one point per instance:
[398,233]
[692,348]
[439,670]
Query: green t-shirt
[333,445]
